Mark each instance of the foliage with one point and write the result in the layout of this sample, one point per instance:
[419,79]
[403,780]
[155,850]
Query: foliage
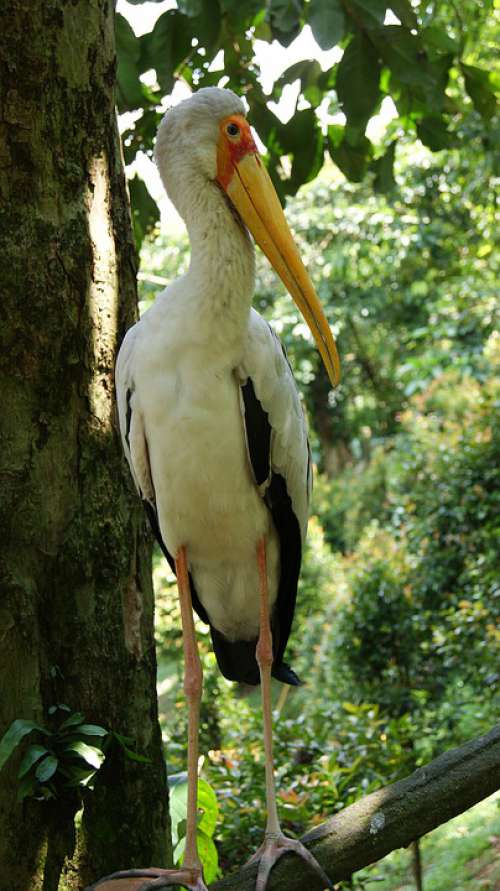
[68,756]
[208,812]
[420,56]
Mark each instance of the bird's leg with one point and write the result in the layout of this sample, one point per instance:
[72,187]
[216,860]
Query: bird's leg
[275,842]
[193,682]
[190,873]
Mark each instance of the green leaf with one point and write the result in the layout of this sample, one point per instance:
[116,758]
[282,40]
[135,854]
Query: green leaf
[285,14]
[190,7]
[404,53]
[13,736]
[438,39]
[477,84]
[178,808]
[145,212]
[358,79]
[384,171]
[207,852]
[432,130]
[47,768]
[311,77]
[26,787]
[90,754]
[72,721]
[352,160]
[302,138]
[207,803]
[327,21]
[92,730]
[31,756]
[209,857]
[129,88]
[371,12]
[405,13]
[285,18]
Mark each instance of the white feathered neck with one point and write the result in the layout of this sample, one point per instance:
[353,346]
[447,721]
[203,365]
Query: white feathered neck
[222,268]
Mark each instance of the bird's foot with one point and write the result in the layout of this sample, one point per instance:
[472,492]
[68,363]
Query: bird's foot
[150,880]
[273,847]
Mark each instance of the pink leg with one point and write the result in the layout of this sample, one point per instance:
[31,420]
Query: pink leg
[190,873]
[275,843]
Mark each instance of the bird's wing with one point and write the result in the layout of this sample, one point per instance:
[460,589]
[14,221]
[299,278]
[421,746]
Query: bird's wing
[135,446]
[130,419]
[279,454]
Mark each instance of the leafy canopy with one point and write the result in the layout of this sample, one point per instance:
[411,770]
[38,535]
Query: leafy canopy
[420,55]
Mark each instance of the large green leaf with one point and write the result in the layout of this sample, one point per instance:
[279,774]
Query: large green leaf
[31,756]
[371,12]
[311,77]
[405,13]
[358,80]
[477,84]
[47,768]
[327,21]
[384,170]
[433,131]
[301,137]
[167,46]
[285,19]
[190,7]
[90,754]
[145,212]
[207,803]
[285,14]
[13,736]
[207,852]
[353,160]
[208,808]
[92,730]
[130,91]
[404,53]
[73,720]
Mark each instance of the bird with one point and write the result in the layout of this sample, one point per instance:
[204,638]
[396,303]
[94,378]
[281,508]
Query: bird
[215,435]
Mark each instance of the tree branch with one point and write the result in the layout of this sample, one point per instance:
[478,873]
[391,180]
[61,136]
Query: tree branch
[388,819]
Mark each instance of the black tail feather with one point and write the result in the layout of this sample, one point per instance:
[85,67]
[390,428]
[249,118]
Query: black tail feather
[237,661]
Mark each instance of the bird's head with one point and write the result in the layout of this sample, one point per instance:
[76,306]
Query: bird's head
[209,133]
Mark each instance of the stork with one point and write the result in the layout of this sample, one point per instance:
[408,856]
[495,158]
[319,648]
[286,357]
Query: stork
[214,433]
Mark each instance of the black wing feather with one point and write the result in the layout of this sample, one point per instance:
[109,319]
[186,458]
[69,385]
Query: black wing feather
[277,499]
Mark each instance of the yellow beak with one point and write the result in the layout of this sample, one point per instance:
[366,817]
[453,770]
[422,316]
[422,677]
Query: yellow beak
[251,191]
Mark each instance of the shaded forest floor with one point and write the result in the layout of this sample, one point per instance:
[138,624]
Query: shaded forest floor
[461,855]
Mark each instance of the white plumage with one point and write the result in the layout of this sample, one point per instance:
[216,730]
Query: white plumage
[183,365]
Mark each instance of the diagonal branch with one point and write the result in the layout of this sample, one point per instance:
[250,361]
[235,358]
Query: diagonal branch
[390,818]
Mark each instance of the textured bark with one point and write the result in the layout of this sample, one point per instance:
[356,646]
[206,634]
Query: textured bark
[388,819]
[76,604]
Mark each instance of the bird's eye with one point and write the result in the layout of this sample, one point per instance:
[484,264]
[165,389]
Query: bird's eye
[232,130]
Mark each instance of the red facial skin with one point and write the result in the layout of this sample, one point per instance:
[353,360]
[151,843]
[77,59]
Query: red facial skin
[232,149]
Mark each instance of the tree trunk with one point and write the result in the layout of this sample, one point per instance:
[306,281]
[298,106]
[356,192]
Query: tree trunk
[76,613]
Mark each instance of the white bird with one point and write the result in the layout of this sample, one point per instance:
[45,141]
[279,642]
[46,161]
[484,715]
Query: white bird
[215,436]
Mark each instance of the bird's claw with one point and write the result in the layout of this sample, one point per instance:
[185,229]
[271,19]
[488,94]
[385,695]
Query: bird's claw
[272,848]
[150,880]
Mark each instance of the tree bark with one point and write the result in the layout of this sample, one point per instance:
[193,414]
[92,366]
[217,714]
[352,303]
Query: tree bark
[76,613]
[388,819]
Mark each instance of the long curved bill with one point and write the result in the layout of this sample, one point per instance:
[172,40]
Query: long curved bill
[251,191]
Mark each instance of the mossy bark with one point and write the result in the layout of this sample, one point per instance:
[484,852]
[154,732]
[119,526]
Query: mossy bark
[76,607]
